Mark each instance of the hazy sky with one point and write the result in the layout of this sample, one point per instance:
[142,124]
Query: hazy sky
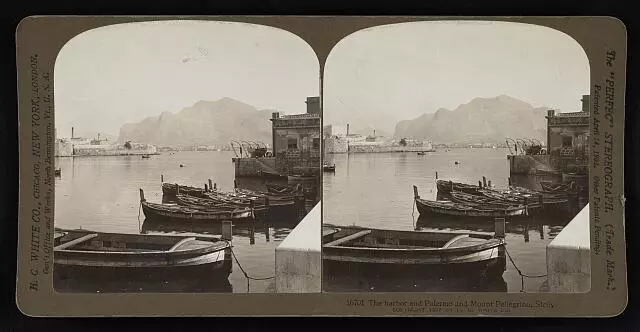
[381,75]
[123,73]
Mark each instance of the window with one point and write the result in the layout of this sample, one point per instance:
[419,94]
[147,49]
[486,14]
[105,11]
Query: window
[292,143]
[567,141]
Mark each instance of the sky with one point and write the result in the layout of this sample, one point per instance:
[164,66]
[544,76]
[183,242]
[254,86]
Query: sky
[123,73]
[379,76]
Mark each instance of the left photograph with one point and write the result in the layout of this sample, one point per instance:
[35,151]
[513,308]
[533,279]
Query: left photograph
[187,159]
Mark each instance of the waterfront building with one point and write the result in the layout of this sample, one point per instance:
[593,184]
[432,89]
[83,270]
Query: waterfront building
[296,140]
[568,138]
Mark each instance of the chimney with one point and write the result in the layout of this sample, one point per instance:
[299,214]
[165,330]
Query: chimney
[586,103]
[72,132]
[313,105]
[347,130]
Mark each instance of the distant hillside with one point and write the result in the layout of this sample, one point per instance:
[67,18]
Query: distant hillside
[204,123]
[489,120]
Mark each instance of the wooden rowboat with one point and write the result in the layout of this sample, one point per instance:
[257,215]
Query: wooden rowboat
[83,254]
[358,250]
[328,168]
[449,208]
[557,187]
[446,187]
[169,190]
[178,213]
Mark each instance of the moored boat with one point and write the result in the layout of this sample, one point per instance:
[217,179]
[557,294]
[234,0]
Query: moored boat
[446,187]
[179,213]
[169,190]
[84,254]
[449,208]
[356,250]
[329,168]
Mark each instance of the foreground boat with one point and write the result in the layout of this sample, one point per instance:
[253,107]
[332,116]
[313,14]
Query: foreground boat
[83,254]
[449,208]
[377,252]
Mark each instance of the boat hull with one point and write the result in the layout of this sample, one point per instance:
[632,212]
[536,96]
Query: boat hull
[152,213]
[432,208]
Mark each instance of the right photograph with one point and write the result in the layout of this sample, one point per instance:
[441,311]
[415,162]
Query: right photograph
[455,159]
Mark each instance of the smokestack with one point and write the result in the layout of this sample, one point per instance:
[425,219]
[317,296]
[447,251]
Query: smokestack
[72,132]
[347,130]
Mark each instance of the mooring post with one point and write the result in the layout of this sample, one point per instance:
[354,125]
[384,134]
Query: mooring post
[415,193]
[215,186]
[142,195]
[484,182]
[499,224]
[479,184]
[227,230]
[210,186]
[436,175]
[161,178]
[206,188]
[489,183]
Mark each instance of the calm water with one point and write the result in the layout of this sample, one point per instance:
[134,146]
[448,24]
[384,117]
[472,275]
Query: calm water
[376,190]
[102,194]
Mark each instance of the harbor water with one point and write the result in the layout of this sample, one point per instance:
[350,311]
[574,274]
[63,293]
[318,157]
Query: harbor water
[376,190]
[102,194]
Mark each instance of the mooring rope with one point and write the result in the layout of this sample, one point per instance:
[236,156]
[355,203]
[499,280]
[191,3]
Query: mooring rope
[245,272]
[139,225]
[522,275]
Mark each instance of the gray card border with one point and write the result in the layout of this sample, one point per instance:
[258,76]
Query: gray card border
[38,41]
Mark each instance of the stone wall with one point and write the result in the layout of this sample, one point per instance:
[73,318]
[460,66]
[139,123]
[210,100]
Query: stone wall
[378,148]
[335,145]
[63,149]
[247,167]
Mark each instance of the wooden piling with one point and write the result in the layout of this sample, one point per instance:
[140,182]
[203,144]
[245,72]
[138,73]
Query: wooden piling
[489,183]
[227,230]
[142,195]
[210,186]
[499,227]
[215,186]
[436,175]
[206,188]
[479,184]
[161,178]
[484,182]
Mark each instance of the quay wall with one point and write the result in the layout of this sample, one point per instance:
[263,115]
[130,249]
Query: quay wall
[67,149]
[569,257]
[387,148]
[247,167]
[335,145]
[530,164]
[298,259]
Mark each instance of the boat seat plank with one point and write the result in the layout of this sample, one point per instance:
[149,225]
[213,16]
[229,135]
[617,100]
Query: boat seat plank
[76,241]
[181,242]
[455,239]
[349,238]
[469,241]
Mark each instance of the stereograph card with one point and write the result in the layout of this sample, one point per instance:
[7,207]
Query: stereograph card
[327,166]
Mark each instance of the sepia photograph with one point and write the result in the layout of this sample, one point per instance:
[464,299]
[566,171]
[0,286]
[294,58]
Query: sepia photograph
[185,154]
[455,159]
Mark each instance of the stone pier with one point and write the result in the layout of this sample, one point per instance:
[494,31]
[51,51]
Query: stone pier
[298,258]
[569,257]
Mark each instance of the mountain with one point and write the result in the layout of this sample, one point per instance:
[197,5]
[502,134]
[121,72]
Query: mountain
[482,120]
[204,123]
